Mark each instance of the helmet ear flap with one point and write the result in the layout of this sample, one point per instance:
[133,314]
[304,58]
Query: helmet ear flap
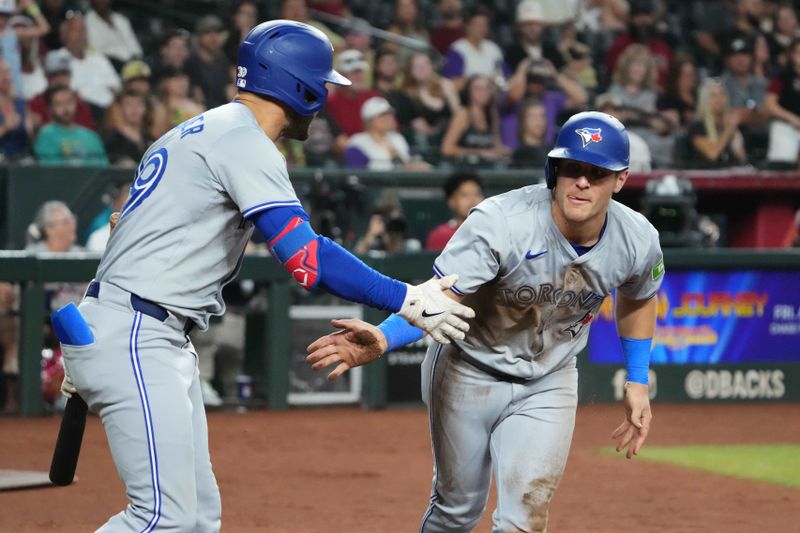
[550,169]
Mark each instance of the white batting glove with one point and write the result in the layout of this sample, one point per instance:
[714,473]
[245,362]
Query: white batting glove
[427,307]
[67,388]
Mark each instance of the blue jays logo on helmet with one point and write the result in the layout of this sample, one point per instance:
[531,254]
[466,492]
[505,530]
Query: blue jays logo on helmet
[590,135]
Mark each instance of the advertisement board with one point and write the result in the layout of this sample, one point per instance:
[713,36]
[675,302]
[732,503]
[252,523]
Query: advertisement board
[714,317]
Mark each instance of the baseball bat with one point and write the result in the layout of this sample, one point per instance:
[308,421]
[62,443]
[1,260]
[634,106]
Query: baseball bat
[68,443]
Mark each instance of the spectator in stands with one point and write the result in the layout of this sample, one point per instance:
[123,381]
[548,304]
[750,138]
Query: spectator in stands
[635,85]
[640,158]
[15,124]
[560,95]
[38,26]
[63,141]
[407,23]
[128,139]
[712,20]
[714,136]
[635,78]
[9,44]
[172,54]
[450,27]
[531,151]
[93,76]
[33,79]
[463,190]
[783,105]
[98,237]
[55,12]
[379,146]
[387,232]
[679,101]
[473,135]
[531,42]
[111,34]
[297,10]
[58,69]
[425,104]
[474,53]
[785,30]
[207,67]
[576,58]
[387,72]
[136,76]
[601,21]
[344,104]
[244,17]
[358,36]
[326,141]
[174,91]
[746,92]
[642,30]
[53,231]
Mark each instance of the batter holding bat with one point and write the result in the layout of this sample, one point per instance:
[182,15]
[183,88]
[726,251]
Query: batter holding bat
[199,192]
[535,263]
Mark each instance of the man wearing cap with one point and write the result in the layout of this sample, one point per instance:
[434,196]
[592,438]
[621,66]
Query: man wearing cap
[746,91]
[379,146]
[58,69]
[93,75]
[208,67]
[345,103]
[111,34]
[531,41]
[136,76]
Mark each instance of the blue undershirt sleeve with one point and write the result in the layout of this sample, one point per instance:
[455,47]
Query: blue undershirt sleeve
[314,260]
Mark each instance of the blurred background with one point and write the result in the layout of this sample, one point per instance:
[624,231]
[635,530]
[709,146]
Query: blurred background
[451,101]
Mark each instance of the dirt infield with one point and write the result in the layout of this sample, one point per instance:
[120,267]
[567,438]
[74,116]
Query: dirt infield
[347,470]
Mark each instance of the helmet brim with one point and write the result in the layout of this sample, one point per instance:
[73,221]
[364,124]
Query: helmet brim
[337,79]
[585,156]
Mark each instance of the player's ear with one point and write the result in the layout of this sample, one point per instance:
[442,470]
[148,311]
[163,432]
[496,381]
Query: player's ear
[622,177]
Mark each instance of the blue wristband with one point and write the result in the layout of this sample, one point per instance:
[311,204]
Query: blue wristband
[637,358]
[398,332]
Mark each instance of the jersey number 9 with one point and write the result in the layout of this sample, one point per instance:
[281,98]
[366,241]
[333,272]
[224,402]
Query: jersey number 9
[149,173]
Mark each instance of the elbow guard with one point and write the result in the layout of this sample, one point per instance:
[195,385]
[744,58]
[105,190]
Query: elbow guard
[296,247]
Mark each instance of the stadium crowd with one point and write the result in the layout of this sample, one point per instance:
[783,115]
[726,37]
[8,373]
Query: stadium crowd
[700,84]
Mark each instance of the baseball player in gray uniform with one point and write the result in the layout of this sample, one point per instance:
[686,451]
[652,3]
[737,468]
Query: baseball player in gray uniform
[198,193]
[535,263]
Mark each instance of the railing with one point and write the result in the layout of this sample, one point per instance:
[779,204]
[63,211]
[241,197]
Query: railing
[33,271]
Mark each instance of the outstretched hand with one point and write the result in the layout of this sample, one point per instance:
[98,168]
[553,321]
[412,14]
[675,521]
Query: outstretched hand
[633,431]
[357,343]
[429,307]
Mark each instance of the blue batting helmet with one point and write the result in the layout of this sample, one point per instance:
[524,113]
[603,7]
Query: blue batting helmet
[290,62]
[590,137]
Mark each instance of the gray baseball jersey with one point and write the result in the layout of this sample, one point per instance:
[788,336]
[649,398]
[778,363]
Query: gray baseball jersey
[533,295]
[183,231]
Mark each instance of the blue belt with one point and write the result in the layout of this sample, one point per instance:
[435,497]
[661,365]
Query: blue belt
[146,307]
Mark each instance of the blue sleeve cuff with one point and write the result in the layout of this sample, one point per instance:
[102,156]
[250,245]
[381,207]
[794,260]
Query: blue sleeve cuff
[398,332]
[637,358]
